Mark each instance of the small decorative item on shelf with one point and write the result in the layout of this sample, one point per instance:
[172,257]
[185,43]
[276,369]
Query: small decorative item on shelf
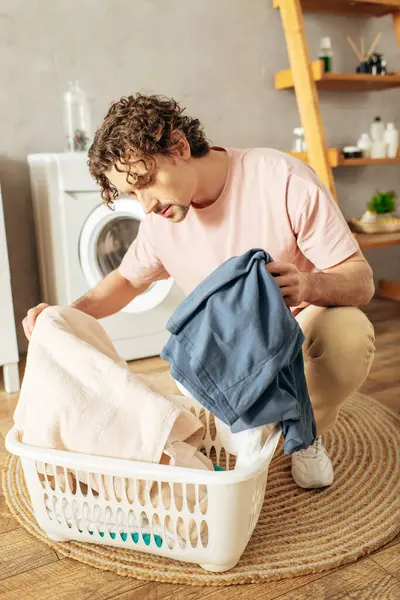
[352,152]
[326,54]
[369,217]
[371,62]
[379,149]
[299,144]
[379,217]
[365,144]
[377,129]
[375,63]
[379,146]
[391,137]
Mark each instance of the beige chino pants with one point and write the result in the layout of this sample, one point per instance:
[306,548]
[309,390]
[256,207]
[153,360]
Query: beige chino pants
[338,353]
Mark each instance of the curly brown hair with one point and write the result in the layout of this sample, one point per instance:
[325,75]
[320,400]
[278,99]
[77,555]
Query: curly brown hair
[141,125]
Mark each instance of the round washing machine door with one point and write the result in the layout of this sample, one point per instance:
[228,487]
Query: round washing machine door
[106,236]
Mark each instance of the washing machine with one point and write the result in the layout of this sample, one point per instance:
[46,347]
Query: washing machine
[80,240]
[8,346]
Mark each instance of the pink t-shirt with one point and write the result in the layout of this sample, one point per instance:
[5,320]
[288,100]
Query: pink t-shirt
[270,200]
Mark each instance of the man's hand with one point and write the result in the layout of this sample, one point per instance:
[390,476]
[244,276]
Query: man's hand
[29,322]
[293,284]
[350,283]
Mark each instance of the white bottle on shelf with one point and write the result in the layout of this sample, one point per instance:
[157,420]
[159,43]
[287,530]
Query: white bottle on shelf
[377,130]
[391,137]
[379,149]
[365,144]
[299,144]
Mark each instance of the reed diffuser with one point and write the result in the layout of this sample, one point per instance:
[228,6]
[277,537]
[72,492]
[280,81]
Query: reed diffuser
[370,61]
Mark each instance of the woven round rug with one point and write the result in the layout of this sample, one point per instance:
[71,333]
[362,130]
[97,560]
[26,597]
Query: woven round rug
[299,532]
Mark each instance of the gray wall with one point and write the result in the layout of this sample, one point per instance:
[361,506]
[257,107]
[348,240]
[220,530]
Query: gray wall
[217,57]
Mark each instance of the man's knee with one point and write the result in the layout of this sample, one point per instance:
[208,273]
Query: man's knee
[343,338]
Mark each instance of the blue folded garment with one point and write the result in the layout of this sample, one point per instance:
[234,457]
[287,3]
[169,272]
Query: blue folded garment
[237,349]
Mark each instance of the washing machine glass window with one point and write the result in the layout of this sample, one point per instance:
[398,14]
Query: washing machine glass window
[105,237]
[113,242]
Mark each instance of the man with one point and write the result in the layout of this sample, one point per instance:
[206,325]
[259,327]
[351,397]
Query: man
[205,204]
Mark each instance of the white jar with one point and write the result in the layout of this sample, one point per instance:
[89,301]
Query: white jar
[377,130]
[391,137]
[365,144]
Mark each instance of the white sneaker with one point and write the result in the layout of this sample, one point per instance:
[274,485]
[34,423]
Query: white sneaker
[312,468]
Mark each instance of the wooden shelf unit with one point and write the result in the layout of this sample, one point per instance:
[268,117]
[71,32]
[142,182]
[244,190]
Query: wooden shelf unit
[336,159]
[377,240]
[340,82]
[307,78]
[367,8]
[359,162]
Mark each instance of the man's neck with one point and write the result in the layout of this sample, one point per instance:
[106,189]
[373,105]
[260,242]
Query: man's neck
[212,171]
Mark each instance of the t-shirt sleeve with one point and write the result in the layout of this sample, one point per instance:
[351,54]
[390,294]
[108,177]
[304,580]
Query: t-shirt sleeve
[141,264]
[322,233]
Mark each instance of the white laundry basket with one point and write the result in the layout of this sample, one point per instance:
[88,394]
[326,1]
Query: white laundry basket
[186,514]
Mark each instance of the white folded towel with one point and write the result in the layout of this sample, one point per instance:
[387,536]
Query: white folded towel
[79,395]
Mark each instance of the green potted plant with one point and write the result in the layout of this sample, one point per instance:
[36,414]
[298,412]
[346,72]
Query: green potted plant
[382,204]
[379,217]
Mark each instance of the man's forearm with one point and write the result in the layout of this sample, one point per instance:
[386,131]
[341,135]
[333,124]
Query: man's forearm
[351,287]
[108,297]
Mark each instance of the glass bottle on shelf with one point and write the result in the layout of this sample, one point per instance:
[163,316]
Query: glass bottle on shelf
[77,119]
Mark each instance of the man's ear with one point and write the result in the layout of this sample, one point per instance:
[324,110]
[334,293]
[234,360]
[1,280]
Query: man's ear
[180,146]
